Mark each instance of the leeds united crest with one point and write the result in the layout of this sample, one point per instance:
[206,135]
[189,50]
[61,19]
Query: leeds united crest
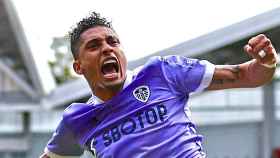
[142,93]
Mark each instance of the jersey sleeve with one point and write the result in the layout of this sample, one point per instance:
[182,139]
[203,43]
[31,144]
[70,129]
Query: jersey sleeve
[187,75]
[63,144]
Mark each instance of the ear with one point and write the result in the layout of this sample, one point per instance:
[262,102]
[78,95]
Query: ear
[77,67]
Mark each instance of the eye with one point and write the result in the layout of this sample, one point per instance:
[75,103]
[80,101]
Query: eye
[93,44]
[113,41]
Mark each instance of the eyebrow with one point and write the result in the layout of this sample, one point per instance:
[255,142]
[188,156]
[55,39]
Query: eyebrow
[87,45]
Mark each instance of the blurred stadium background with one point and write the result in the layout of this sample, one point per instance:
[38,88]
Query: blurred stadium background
[238,123]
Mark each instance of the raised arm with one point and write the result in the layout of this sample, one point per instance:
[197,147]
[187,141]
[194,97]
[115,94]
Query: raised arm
[253,73]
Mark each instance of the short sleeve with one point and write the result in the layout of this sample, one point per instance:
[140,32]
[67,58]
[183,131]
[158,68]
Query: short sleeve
[187,75]
[63,143]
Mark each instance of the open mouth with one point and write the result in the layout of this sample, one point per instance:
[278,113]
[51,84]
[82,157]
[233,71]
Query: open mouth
[110,68]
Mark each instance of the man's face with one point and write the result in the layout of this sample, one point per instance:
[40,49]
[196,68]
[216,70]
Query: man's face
[101,59]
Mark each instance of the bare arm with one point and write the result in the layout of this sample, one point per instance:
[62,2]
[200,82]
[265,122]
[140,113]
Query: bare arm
[249,74]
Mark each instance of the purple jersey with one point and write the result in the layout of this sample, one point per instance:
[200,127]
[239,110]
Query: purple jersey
[146,119]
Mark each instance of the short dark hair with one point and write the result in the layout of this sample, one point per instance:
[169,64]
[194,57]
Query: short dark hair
[93,20]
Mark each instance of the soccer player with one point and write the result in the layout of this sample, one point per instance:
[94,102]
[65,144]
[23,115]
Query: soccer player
[141,113]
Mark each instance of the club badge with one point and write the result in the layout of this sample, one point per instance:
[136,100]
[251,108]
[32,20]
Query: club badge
[142,93]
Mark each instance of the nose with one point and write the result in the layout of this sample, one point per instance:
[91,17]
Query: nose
[106,48]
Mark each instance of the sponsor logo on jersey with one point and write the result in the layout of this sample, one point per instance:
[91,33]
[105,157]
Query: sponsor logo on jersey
[139,121]
[129,125]
[142,93]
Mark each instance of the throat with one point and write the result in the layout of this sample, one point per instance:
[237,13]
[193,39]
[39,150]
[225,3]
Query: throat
[107,93]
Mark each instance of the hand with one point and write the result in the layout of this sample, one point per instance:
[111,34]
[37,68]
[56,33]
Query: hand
[261,49]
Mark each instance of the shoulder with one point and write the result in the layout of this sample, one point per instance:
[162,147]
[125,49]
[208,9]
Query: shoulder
[149,66]
[179,60]
[76,109]
[57,147]
[76,113]
[80,119]
[165,64]
[171,60]
[153,61]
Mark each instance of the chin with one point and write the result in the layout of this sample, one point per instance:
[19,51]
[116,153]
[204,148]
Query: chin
[117,84]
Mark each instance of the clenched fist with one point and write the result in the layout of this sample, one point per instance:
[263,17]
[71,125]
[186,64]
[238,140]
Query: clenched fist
[261,49]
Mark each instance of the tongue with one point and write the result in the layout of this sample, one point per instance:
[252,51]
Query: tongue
[108,69]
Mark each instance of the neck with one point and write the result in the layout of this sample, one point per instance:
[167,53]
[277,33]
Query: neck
[107,93]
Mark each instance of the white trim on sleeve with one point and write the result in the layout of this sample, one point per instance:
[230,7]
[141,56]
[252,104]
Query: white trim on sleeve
[53,155]
[207,76]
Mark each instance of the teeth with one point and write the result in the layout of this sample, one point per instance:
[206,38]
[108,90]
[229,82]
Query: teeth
[110,61]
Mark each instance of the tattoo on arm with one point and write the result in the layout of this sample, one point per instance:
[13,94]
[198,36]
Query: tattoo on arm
[226,74]
[223,81]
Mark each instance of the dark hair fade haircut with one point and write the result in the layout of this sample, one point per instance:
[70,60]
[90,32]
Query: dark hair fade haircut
[93,20]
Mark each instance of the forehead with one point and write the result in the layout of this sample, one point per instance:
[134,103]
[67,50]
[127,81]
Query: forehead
[97,32]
